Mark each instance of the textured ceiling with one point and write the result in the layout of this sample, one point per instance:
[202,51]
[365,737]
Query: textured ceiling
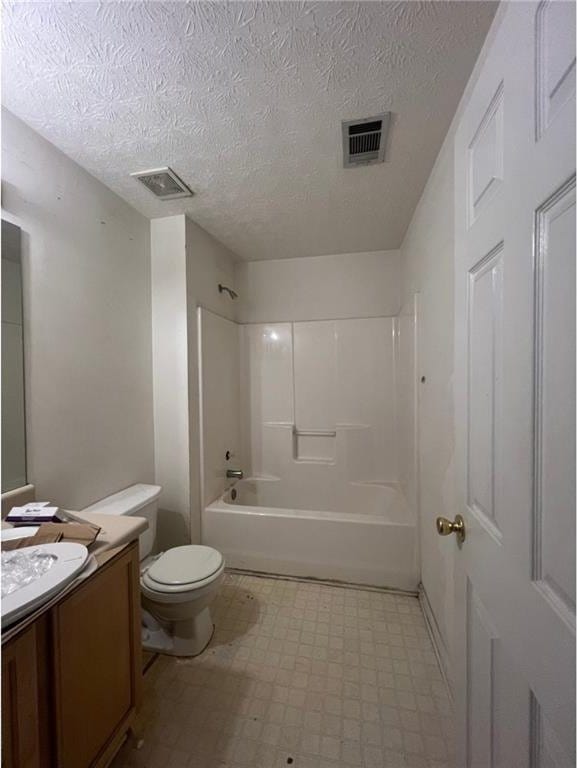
[244,100]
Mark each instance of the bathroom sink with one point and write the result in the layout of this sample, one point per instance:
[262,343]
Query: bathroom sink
[32,575]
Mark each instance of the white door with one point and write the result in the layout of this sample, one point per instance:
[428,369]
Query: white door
[515,396]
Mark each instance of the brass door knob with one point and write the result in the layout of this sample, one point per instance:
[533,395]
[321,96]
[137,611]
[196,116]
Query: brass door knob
[445,527]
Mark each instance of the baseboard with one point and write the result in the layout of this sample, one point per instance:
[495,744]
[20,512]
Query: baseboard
[323,582]
[377,575]
[437,640]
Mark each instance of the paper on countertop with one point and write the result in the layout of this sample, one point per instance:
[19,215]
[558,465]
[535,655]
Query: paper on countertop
[30,541]
[81,533]
[32,513]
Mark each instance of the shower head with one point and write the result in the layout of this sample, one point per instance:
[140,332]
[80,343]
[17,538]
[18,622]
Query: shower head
[231,293]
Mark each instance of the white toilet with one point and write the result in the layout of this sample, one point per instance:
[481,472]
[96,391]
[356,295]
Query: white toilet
[177,585]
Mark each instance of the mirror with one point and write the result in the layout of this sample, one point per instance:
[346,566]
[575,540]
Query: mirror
[13,413]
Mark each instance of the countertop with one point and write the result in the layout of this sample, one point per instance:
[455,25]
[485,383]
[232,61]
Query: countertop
[116,532]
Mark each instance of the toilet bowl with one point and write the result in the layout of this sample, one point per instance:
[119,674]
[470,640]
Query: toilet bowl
[177,586]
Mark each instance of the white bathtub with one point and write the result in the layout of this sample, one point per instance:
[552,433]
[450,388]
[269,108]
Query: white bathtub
[370,539]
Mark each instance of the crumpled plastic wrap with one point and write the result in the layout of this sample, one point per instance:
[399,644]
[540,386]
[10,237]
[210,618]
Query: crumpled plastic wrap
[22,567]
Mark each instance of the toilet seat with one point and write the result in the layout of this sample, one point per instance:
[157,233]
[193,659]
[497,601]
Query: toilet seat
[183,569]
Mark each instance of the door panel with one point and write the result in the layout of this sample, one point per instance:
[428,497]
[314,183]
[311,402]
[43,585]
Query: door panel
[485,169]
[515,393]
[554,502]
[555,58]
[485,370]
[481,648]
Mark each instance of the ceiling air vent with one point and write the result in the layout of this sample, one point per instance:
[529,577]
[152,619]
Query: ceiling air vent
[164,183]
[365,141]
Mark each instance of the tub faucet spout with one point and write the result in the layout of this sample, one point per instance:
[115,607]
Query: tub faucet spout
[235,474]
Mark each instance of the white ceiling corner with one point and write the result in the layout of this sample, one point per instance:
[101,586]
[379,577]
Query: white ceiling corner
[244,101]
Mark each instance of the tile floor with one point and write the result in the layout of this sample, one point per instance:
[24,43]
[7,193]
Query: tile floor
[300,674]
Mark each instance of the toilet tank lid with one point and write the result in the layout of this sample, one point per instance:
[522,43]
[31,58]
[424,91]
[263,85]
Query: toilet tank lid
[126,502]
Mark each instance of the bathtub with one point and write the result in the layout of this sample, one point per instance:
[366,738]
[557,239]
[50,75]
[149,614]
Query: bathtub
[365,536]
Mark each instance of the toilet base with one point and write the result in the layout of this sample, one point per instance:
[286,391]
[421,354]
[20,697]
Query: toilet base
[189,638]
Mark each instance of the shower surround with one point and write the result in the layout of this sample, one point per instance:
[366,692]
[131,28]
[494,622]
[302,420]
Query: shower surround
[307,411]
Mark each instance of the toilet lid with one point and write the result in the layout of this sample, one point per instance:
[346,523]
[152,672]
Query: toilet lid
[185,565]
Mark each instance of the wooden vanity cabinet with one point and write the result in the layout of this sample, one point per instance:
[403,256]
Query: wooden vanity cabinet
[83,679]
[25,680]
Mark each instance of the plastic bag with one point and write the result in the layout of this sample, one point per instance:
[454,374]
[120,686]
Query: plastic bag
[22,567]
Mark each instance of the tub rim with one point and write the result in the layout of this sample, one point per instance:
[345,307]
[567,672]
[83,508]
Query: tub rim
[220,504]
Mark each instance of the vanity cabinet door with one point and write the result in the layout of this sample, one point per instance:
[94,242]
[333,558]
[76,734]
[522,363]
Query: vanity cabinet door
[97,663]
[24,700]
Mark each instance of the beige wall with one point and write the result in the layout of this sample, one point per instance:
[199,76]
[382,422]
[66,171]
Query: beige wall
[428,263]
[187,266]
[405,398]
[86,284]
[427,257]
[170,372]
[332,287]
[208,263]
[221,409]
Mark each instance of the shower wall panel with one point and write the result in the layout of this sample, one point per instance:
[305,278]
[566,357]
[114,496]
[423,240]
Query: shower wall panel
[318,403]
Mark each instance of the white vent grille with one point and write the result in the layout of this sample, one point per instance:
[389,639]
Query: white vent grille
[365,141]
[163,183]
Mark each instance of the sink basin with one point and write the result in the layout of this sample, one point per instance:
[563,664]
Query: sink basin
[32,575]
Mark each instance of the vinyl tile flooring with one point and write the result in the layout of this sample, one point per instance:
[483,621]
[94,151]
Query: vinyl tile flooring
[304,675]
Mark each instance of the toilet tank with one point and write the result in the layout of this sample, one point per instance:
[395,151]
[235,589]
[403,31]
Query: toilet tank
[139,500]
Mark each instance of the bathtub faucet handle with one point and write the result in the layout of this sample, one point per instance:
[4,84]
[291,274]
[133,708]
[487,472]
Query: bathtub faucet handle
[235,474]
